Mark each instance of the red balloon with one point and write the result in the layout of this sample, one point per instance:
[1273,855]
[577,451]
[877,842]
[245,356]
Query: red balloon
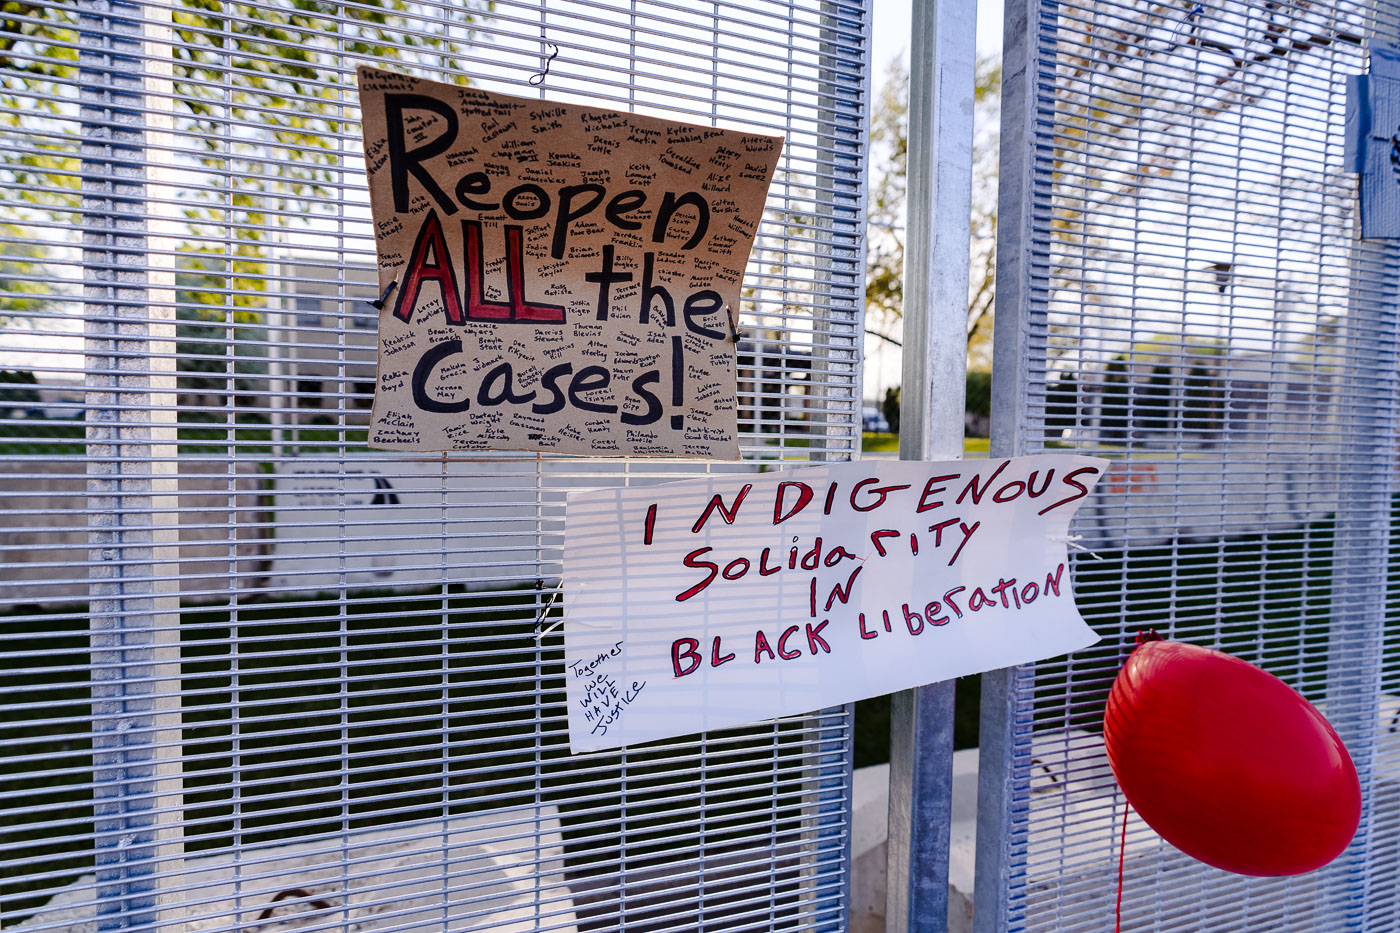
[1229,764]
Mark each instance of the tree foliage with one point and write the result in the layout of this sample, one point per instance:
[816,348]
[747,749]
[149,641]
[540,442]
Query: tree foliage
[889,135]
[986,147]
[262,136]
[1180,133]
[890,408]
[17,388]
[889,169]
[40,180]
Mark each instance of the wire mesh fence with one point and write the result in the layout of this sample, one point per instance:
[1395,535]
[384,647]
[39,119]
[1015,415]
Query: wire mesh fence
[256,673]
[1196,308]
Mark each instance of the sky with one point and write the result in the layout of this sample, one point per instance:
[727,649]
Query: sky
[891,31]
[890,35]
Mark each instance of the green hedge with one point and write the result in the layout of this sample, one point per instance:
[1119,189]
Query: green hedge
[979,393]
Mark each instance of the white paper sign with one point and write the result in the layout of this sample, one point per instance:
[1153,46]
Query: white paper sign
[712,603]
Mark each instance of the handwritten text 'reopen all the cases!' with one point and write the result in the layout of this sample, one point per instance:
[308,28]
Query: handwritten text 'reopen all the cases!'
[564,272]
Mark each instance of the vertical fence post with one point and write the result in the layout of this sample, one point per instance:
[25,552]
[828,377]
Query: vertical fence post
[1368,377]
[1365,489]
[1018,208]
[939,230]
[836,377]
[129,343]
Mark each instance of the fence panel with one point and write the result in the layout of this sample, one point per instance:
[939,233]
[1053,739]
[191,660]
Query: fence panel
[1180,289]
[252,671]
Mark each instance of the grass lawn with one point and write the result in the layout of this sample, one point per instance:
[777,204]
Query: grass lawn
[872,443]
[207,435]
[306,716]
[198,434]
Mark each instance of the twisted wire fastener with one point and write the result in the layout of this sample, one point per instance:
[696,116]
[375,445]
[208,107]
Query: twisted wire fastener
[1072,541]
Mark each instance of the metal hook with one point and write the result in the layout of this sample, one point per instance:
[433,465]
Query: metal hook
[538,78]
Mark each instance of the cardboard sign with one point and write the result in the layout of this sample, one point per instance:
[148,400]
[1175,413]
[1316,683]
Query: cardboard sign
[564,273]
[712,603]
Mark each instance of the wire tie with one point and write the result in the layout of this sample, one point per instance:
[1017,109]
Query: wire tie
[538,77]
[733,326]
[560,621]
[1196,10]
[378,303]
[593,625]
[539,619]
[1073,541]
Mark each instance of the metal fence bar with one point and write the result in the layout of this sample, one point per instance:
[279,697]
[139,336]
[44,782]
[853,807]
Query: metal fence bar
[1367,486]
[841,268]
[1020,205]
[932,402]
[131,467]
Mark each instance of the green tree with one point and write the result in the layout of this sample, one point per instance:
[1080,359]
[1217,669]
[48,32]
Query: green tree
[1061,405]
[262,120]
[889,145]
[23,293]
[18,388]
[986,148]
[39,180]
[889,407]
[889,168]
[1127,80]
[979,393]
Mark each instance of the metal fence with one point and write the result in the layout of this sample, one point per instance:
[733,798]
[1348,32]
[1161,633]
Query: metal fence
[253,673]
[1180,289]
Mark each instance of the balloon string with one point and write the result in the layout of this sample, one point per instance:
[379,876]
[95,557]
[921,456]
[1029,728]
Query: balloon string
[1122,842]
[1143,637]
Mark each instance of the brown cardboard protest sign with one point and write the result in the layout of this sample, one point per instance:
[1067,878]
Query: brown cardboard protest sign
[564,272]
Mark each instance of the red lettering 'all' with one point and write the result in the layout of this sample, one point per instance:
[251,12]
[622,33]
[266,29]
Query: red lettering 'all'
[516,307]
[421,271]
